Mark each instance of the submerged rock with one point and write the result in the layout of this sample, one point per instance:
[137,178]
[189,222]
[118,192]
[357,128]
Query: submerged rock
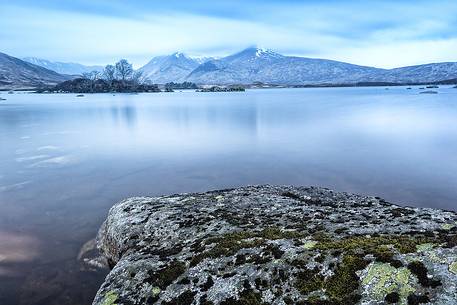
[277,245]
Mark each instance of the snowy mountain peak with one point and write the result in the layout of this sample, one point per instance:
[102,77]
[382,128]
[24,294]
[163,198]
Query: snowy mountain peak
[257,53]
[179,55]
[266,52]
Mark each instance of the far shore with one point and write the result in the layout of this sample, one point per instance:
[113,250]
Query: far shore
[204,88]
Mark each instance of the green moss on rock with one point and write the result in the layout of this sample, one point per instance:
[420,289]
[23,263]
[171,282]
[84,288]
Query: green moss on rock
[425,247]
[448,226]
[372,244]
[170,273]
[453,268]
[345,282]
[110,298]
[229,244]
[246,297]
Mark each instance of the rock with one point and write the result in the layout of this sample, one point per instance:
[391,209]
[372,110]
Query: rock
[89,257]
[429,92]
[277,245]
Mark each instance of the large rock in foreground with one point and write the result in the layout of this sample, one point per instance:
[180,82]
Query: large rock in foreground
[277,245]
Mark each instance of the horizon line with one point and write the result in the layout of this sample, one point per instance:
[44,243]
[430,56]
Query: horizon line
[218,57]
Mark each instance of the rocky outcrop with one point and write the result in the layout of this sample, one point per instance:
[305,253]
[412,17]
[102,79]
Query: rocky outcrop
[277,245]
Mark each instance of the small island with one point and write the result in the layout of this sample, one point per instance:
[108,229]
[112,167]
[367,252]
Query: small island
[118,78]
[180,86]
[222,89]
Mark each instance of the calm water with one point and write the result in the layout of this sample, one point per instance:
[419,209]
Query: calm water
[65,160]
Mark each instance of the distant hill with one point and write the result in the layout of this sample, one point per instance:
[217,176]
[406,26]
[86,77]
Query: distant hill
[16,73]
[171,68]
[421,73]
[63,67]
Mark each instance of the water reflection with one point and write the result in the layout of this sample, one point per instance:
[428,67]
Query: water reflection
[125,114]
[16,247]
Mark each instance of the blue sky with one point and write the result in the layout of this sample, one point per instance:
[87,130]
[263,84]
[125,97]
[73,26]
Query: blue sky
[375,33]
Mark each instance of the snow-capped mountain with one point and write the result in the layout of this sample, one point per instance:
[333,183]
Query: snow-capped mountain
[16,73]
[63,67]
[171,68]
[262,65]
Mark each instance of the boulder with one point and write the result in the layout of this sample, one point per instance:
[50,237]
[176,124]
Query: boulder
[277,245]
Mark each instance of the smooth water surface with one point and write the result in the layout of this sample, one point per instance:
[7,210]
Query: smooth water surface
[65,160]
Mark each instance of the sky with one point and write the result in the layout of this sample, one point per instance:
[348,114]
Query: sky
[383,34]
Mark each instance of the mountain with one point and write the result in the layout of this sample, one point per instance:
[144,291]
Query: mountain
[202,59]
[261,65]
[171,68]
[63,67]
[421,73]
[246,67]
[16,73]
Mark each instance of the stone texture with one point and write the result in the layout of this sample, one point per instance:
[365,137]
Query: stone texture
[277,245]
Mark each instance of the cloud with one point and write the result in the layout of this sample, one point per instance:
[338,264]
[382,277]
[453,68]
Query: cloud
[376,33]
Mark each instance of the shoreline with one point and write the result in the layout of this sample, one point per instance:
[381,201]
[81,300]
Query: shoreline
[33,90]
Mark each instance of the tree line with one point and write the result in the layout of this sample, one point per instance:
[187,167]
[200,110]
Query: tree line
[121,71]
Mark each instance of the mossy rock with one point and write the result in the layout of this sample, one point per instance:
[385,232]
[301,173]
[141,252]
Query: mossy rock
[274,245]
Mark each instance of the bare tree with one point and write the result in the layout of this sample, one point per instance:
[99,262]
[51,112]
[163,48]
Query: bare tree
[138,77]
[96,75]
[93,75]
[86,75]
[109,73]
[124,70]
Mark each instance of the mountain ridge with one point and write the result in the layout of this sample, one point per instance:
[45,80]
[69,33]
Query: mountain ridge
[248,66]
[261,65]
[16,73]
[69,68]
[266,66]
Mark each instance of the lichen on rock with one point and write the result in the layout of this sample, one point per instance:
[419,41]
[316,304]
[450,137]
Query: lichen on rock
[453,268]
[110,298]
[277,245]
[381,279]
